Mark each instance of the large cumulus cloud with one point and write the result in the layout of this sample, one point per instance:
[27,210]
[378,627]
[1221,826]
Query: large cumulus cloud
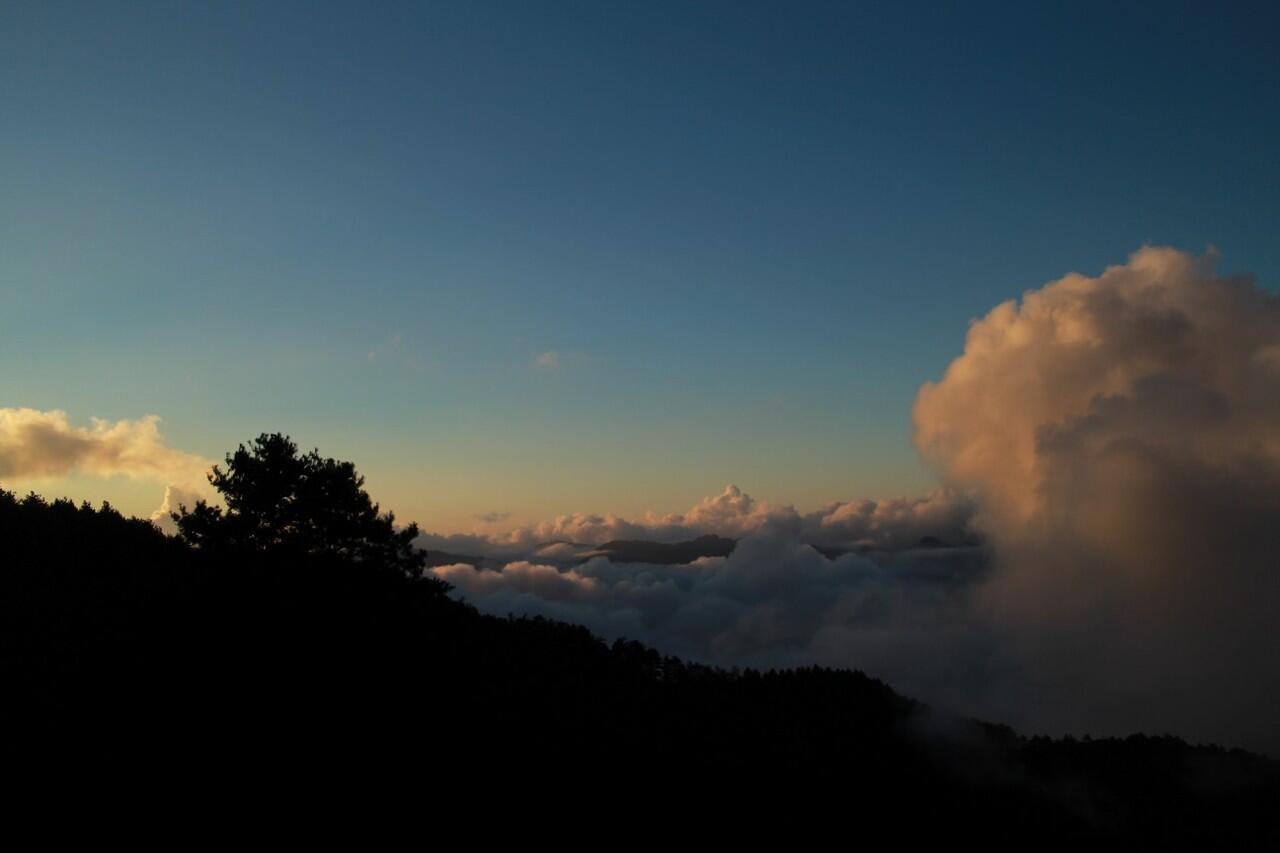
[1123,435]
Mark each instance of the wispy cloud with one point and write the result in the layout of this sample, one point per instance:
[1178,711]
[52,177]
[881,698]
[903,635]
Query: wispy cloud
[395,351]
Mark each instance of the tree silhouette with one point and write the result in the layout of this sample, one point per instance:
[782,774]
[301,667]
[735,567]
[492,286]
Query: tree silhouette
[281,502]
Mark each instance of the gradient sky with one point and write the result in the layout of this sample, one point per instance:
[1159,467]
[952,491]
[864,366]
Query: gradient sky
[545,257]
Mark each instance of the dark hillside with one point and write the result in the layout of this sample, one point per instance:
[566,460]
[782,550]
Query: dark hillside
[122,645]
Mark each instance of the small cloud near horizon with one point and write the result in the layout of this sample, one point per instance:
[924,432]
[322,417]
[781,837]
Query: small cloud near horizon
[492,517]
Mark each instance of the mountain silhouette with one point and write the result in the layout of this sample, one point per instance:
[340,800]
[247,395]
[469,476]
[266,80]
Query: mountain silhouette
[662,553]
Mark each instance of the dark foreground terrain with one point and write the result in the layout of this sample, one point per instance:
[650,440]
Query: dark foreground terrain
[126,648]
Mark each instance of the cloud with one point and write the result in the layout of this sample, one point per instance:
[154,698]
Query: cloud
[523,579]
[943,515]
[1121,433]
[548,360]
[43,445]
[36,444]
[177,498]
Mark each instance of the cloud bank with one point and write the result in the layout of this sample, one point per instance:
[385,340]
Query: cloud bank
[893,523]
[888,589]
[38,445]
[1114,444]
[773,601]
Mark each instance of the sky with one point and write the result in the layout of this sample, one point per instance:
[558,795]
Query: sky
[520,260]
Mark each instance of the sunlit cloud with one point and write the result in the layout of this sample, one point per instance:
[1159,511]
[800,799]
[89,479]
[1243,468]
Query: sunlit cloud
[42,445]
[36,444]
[1121,433]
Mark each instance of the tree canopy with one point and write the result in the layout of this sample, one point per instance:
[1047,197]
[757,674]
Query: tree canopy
[304,504]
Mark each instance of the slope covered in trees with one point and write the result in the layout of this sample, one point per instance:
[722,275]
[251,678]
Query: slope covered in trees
[256,656]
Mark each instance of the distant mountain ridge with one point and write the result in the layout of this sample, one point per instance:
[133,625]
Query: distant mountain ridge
[565,554]
[662,553]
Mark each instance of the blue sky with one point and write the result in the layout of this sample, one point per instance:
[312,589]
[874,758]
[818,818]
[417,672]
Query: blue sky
[748,232]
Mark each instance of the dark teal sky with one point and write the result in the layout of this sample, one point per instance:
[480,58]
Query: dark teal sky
[747,232]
